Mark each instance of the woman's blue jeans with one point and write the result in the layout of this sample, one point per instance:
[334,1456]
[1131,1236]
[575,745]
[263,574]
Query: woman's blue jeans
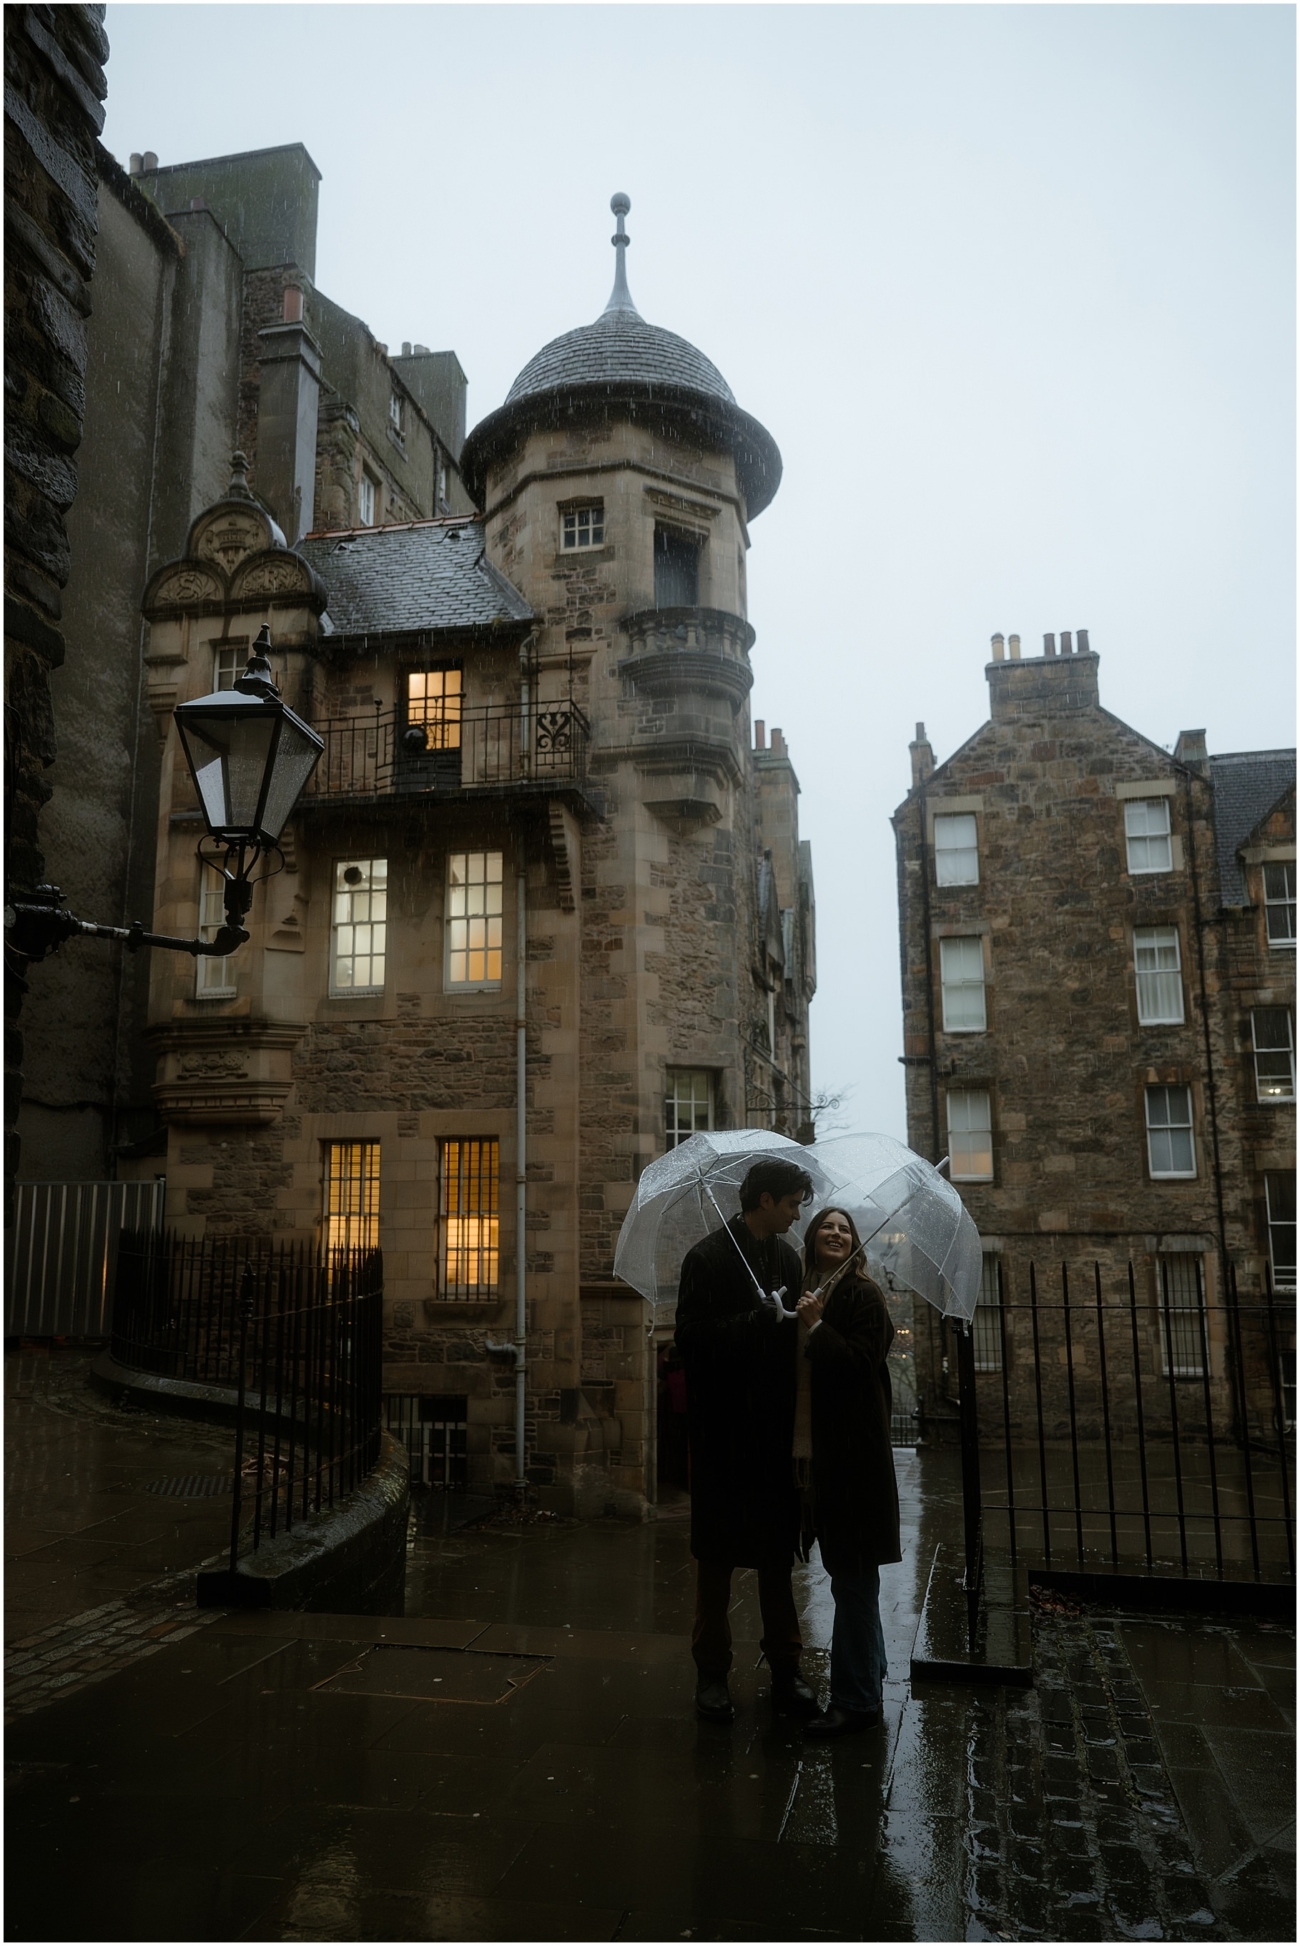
[857,1642]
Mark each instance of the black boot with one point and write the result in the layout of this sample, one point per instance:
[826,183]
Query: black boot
[835,1722]
[791,1694]
[713,1700]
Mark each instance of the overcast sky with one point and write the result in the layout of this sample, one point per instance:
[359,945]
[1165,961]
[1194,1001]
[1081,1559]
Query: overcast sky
[1012,287]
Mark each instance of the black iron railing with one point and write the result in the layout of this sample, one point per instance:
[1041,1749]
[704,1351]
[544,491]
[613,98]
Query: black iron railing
[483,747]
[296,1339]
[1146,1436]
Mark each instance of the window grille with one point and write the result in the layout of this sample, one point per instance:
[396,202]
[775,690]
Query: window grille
[1146,828]
[986,1323]
[1158,965]
[214,979]
[1182,1315]
[351,1195]
[961,973]
[584,526]
[1171,1147]
[360,928]
[970,1135]
[956,849]
[433,704]
[474,893]
[1274,1048]
[677,569]
[435,1433]
[470,1223]
[1279,904]
[1279,1202]
[688,1104]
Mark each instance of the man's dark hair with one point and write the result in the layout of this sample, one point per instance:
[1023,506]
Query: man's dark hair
[775,1179]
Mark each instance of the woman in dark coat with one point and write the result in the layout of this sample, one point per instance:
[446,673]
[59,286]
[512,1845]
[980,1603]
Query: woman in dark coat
[845,1407]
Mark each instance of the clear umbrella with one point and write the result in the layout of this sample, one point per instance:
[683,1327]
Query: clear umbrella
[911,1219]
[684,1196]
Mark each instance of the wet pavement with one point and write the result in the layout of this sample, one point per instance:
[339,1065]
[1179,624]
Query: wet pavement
[516,1759]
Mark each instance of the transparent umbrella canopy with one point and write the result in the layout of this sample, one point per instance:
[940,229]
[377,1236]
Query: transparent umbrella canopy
[690,1192]
[911,1219]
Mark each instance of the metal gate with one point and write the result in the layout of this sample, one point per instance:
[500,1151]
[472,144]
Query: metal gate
[63,1252]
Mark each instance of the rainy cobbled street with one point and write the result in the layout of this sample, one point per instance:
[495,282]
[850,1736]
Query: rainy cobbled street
[516,1759]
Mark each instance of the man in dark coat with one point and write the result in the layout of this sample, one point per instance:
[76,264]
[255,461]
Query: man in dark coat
[738,1347]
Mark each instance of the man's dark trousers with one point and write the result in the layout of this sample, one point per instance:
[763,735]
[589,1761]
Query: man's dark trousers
[711,1635]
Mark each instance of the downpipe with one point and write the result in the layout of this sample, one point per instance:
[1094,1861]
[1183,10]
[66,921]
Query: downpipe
[520,1346]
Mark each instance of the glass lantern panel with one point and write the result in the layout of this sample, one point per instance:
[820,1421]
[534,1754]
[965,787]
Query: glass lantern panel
[229,757]
[295,759]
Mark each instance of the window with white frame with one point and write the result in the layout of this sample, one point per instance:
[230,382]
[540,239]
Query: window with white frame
[396,411]
[1273,1039]
[366,497]
[1279,903]
[956,849]
[229,659]
[961,976]
[1147,832]
[470,1256]
[474,900]
[351,1195]
[986,1325]
[360,925]
[1279,1206]
[970,1135]
[1158,965]
[688,1103]
[214,979]
[433,704]
[1181,1295]
[583,526]
[1171,1146]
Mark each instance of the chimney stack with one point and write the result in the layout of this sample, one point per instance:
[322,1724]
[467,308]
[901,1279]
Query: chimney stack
[1013,646]
[999,648]
[1049,645]
[922,756]
[760,734]
[1190,750]
[287,411]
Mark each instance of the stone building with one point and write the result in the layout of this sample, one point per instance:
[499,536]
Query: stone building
[207,334]
[1098,961]
[544,908]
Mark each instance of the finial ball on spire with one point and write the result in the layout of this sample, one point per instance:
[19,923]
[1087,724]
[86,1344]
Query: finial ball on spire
[620,204]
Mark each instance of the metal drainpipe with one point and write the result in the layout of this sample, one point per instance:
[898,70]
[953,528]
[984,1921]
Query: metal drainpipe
[521,1151]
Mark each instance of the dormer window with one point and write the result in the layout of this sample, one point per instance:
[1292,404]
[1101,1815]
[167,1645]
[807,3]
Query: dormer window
[677,568]
[396,412]
[1279,904]
[583,526]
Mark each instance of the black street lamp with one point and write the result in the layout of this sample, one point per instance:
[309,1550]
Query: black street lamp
[251,758]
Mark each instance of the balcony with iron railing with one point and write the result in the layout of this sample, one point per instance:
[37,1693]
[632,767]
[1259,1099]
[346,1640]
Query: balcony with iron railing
[484,748]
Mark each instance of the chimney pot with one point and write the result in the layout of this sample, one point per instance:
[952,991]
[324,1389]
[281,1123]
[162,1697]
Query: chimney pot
[1067,644]
[1081,639]
[136,163]
[406,347]
[149,161]
[999,648]
[760,734]
[778,743]
[1049,645]
[1013,645]
[922,756]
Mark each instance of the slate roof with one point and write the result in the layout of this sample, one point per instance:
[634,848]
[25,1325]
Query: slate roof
[432,574]
[619,348]
[1247,785]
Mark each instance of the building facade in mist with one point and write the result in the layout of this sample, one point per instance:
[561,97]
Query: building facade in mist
[541,814]
[1098,964]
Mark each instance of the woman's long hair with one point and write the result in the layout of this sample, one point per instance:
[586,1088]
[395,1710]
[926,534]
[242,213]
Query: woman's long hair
[810,1270]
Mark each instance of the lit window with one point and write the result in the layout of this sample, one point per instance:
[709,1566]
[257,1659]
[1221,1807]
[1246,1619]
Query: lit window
[1279,1203]
[677,569]
[956,851]
[1171,1148]
[366,501]
[986,1325]
[474,918]
[351,1196]
[1279,904]
[229,659]
[433,703]
[1146,827]
[688,1103]
[1159,975]
[214,979]
[1182,1315]
[1274,1044]
[961,973]
[584,526]
[470,1225]
[360,925]
[970,1135]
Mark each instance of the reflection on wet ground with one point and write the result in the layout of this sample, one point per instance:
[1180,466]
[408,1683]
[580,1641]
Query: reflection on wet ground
[516,1759]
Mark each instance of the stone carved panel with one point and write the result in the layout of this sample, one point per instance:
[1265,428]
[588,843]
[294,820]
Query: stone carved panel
[231,538]
[276,577]
[189,585]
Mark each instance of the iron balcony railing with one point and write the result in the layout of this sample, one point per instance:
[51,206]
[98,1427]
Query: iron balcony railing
[485,747]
